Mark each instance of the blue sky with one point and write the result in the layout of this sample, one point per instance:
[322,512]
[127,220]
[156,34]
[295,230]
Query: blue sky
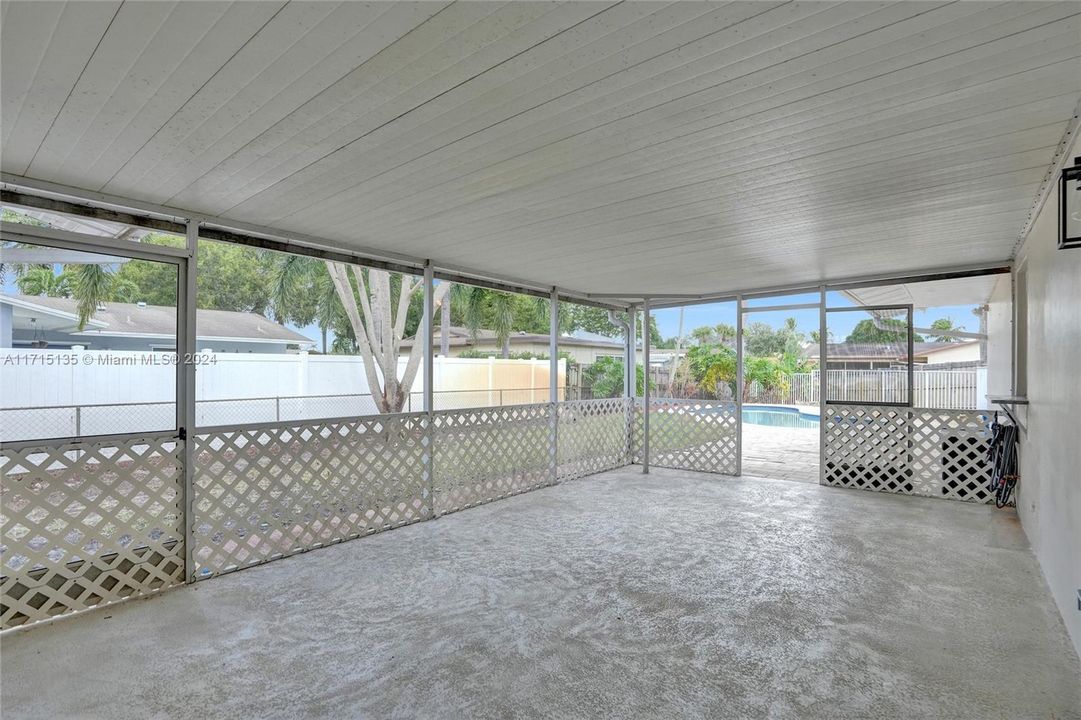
[807,320]
[714,313]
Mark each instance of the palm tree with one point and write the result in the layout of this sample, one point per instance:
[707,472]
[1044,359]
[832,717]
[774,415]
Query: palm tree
[702,334]
[41,280]
[725,332]
[90,285]
[473,301]
[945,326]
[304,293]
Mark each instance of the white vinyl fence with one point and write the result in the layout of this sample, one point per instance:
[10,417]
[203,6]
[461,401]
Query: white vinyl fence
[945,389]
[49,393]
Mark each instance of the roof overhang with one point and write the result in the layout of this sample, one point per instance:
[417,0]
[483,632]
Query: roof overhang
[201,338]
[56,319]
[936,293]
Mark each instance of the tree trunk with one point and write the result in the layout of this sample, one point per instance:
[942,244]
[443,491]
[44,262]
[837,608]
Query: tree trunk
[444,327]
[675,362]
[339,274]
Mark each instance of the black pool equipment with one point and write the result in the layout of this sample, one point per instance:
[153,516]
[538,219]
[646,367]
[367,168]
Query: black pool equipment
[1003,457]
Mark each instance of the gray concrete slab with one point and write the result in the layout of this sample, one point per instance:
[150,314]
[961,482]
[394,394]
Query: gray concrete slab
[674,595]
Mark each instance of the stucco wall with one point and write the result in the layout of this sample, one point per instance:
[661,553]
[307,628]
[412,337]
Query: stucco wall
[1000,338]
[964,352]
[1049,497]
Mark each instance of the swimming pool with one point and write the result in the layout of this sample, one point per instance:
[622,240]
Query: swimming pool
[776,416]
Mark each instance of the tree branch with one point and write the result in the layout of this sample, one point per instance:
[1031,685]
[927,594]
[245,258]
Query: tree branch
[366,308]
[404,296]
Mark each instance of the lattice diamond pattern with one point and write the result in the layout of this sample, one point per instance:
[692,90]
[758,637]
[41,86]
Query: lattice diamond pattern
[270,491]
[484,454]
[91,523]
[867,448]
[86,524]
[690,435]
[949,454]
[937,453]
[593,436]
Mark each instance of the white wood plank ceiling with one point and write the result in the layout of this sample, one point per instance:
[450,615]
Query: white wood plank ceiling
[627,147]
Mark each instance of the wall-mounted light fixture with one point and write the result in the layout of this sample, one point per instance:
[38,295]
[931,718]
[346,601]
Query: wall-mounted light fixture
[1069,201]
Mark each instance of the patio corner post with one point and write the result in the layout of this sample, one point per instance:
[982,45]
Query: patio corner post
[429,339]
[427,331]
[823,379]
[911,360]
[553,385]
[630,377]
[645,386]
[553,348]
[186,349]
[630,384]
[739,385]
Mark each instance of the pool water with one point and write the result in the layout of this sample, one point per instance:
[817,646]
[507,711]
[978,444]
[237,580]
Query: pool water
[779,417]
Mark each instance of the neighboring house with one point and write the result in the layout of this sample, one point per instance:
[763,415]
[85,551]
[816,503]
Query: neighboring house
[955,354]
[663,356]
[584,347]
[28,321]
[873,356]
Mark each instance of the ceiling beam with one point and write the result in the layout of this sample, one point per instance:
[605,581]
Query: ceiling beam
[852,283]
[19,191]
[243,233]
[55,256]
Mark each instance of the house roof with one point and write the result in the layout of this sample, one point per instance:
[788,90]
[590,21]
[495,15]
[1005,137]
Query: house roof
[879,351]
[134,320]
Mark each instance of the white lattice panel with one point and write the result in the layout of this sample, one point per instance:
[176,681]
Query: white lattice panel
[949,454]
[866,447]
[593,436]
[86,524]
[269,491]
[484,454]
[910,451]
[695,435]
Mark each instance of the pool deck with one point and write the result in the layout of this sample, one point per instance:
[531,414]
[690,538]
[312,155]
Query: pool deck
[780,453]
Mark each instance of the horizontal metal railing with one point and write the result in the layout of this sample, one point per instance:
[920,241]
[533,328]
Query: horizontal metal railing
[92,419]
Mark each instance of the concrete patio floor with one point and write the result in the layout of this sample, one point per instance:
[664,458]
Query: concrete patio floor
[670,595]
